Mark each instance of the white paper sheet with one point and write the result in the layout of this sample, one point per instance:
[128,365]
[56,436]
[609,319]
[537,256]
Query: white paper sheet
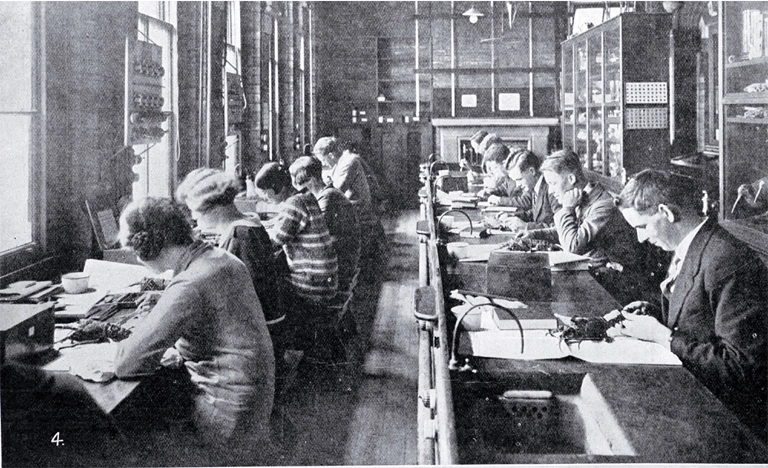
[539,344]
[558,261]
[480,252]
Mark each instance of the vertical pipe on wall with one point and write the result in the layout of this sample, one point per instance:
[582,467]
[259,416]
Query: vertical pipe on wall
[274,134]
[200,80]
[671,87]
[208,51]
[311,71]
[493,57]
[453,61]
[416,61]
[530,58]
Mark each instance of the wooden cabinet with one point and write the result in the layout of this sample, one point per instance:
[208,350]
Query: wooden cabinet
[744,120]
[615,96]
[398,100]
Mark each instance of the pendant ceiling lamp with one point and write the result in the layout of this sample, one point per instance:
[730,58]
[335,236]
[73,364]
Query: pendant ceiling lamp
[474,14]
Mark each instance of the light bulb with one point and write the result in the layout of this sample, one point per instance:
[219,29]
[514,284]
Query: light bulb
[473,19]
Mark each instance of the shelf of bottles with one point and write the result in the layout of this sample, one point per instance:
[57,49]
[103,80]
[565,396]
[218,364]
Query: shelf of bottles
[595,115]
[744,58]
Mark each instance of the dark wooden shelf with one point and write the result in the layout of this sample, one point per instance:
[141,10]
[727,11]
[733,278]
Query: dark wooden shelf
[411,59]
[696,162]
[745,98]
[748,234]
[748,63]
[746,120]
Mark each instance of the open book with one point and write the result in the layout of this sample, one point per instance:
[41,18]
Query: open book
[540,344]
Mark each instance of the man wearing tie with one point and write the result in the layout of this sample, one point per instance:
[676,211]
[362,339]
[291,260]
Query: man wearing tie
[523,168]
[714,313]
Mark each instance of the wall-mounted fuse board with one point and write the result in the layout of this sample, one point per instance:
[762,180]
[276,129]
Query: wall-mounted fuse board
[144,99]
[235,100]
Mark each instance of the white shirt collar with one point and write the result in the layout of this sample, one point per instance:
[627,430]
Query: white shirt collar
[682,249]
[537,187]
[677,260]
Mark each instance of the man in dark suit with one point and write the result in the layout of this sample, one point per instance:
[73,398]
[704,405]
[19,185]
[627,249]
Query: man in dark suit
[714,315]
[523,169]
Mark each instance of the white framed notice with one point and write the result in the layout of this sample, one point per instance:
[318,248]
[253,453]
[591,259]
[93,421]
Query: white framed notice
[509,101]
[469,100]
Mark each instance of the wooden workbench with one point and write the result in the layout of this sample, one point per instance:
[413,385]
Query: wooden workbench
[650,413]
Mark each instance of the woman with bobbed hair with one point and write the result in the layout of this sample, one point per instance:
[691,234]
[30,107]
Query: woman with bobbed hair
[210,315]
[210,194]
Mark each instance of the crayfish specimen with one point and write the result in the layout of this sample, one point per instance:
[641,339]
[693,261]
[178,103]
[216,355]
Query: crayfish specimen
[586,329]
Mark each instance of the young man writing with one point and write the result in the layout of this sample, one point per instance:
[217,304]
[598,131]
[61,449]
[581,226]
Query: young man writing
[714,314]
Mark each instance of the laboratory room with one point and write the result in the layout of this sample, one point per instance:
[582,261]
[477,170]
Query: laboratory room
[307,233]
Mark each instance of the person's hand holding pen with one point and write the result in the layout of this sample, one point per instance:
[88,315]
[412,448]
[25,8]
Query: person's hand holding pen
[494,200]
[638,324]
[149,301]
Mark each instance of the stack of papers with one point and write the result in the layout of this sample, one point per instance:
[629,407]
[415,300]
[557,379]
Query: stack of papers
[459,200]
[488,208]
[22,290]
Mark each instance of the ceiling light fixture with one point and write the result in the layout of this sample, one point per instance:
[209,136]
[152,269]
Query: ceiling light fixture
[474,14]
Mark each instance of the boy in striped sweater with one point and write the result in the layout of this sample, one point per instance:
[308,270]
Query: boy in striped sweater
[300,230]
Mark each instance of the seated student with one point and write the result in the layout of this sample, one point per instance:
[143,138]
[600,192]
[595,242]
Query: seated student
[349,176]
[523,169]
[340,216]
[589,224]
[300,230]
[493,183]
[347,173]
[474,141]
[210,315]
[506,192]
[210,194]
[715,313]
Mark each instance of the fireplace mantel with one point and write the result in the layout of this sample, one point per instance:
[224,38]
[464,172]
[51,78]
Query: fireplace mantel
[533,131]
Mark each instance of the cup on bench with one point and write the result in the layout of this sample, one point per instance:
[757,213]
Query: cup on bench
[75,283]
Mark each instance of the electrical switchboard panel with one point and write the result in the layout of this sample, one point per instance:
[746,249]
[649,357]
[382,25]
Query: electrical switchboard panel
[235,99]
[144,99]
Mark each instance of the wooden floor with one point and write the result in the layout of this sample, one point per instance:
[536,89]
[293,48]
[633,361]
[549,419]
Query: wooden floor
[363,412]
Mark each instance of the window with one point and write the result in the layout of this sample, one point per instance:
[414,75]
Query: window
[21,118]
[234,102]
[156,169]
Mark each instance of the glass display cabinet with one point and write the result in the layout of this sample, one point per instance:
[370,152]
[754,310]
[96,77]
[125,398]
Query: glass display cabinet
[744,120]
[615,96]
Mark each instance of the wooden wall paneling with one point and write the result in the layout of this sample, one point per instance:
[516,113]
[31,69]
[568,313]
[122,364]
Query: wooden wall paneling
[218,131]
[287,93]
[189,40]
[250,24]
[85,64]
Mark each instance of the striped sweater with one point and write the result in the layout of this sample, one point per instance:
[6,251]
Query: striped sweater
[301,231]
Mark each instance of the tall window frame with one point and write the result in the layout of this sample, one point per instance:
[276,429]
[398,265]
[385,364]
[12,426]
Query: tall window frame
[22,142]
[233,65]
[156,168]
